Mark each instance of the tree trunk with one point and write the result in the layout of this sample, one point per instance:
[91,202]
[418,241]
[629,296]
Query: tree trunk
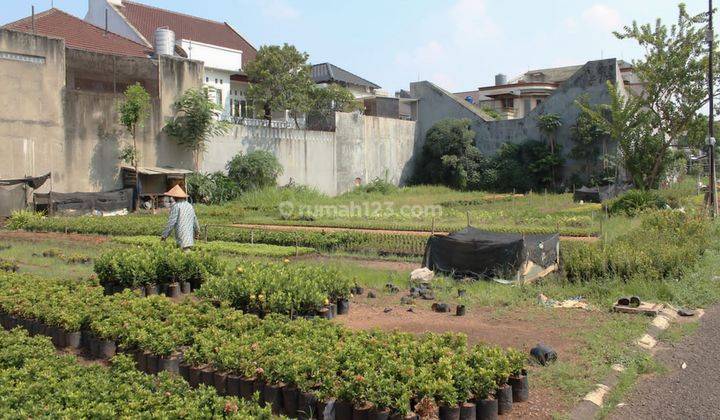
[137,174]
[652,178]
[268,113]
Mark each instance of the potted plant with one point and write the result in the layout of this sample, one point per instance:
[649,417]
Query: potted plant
[518,375]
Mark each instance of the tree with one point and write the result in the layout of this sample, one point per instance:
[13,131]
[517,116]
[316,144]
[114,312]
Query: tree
[673,73]
[629,123]
[257,169]
[279,79]
[549,124]
[196,122]
[590,141]
[323,102]
[134,111]
[449,155]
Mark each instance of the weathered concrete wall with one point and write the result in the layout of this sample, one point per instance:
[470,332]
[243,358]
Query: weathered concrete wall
[32,80]
[590,81]
[59,112]
[361,147]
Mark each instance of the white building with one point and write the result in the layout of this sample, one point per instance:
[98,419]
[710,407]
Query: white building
[222,49]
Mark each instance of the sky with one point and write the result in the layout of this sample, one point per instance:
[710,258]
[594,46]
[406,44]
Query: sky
[458,44]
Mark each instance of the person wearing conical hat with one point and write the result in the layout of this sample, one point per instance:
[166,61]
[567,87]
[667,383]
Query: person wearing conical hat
[182,220]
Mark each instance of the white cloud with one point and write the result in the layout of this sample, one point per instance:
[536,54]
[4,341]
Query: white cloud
[571,24]
[471,22]
[278,9]
[602,16]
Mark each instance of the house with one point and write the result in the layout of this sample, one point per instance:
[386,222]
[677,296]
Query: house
[516,98]
[326,73]
[221,48]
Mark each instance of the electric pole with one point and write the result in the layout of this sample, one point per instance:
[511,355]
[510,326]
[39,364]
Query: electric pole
[710,37]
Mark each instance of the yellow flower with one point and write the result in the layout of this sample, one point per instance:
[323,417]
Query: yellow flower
[252,297]
[261,297]
[240,269]
[286,260]
[326,301]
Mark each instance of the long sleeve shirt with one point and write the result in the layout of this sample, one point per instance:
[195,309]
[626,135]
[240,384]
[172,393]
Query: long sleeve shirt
[184,222]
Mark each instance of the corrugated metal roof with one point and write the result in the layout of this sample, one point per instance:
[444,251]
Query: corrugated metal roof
[157,170]
[79,34]
[328,73]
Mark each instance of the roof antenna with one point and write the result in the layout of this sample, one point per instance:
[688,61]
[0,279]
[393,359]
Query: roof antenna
[32,12]
[106,22]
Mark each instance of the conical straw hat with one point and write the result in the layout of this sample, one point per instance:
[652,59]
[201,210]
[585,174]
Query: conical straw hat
[176,192]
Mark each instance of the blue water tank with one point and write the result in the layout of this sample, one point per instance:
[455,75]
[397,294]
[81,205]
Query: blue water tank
[469,99]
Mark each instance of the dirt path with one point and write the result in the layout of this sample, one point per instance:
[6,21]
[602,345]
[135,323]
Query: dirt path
[290,228]
[690,393]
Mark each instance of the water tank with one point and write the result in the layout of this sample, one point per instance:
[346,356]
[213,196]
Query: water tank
[500,79]
[164,41]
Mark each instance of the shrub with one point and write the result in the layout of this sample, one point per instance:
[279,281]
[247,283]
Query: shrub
[214,188]
[635,201]
[257,169]
[162,264]
[377,185]
[8,265]
[19,219]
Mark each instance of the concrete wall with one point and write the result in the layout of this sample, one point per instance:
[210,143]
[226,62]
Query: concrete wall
[589,81]
[32,75]
[60,111]
[361,147]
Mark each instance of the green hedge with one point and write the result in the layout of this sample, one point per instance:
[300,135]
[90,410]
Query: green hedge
[224,247]
[35,382]
[665,246]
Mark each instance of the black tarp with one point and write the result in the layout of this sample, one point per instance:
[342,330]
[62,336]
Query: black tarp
[599,194]
[477,253]
[86,202]
[12,197]
[33,182]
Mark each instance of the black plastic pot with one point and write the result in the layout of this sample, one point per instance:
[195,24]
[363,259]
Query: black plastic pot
[460,310]
[273,398]
[72,339]
[194,376]
[306,405]
[151,289]
[343,306]
[207,376]
[325,409]
[232,387]
[185,287]
[139,290]
[291,398]
[408,416]
[163,289]
[449,412]
[467,411]
[259,388]
[325,313]
[94,346]
[140,360]
[173,290]
[486,409]
[152,363]
[184,370]
[505,399]
[220,382]
[379,414]
[343,409]
[333,309]
[520,387]
[169,364]
[247,386]
[106,349]
[361,412]
[57,337]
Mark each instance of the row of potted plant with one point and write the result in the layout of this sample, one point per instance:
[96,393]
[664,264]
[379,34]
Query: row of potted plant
[290,362]
[266,287]
[46,385]
[160,265]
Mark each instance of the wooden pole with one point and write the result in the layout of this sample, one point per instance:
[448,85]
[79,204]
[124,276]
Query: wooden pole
[432,228]
[467,213]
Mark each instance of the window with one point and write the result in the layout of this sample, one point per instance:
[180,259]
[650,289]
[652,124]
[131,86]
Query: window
[221,81]
[215,80]
[526,105]
[207,79]
[508,102]
[538,101]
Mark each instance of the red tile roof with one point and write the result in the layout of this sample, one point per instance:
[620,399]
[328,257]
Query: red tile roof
[79,34]
[148,18]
